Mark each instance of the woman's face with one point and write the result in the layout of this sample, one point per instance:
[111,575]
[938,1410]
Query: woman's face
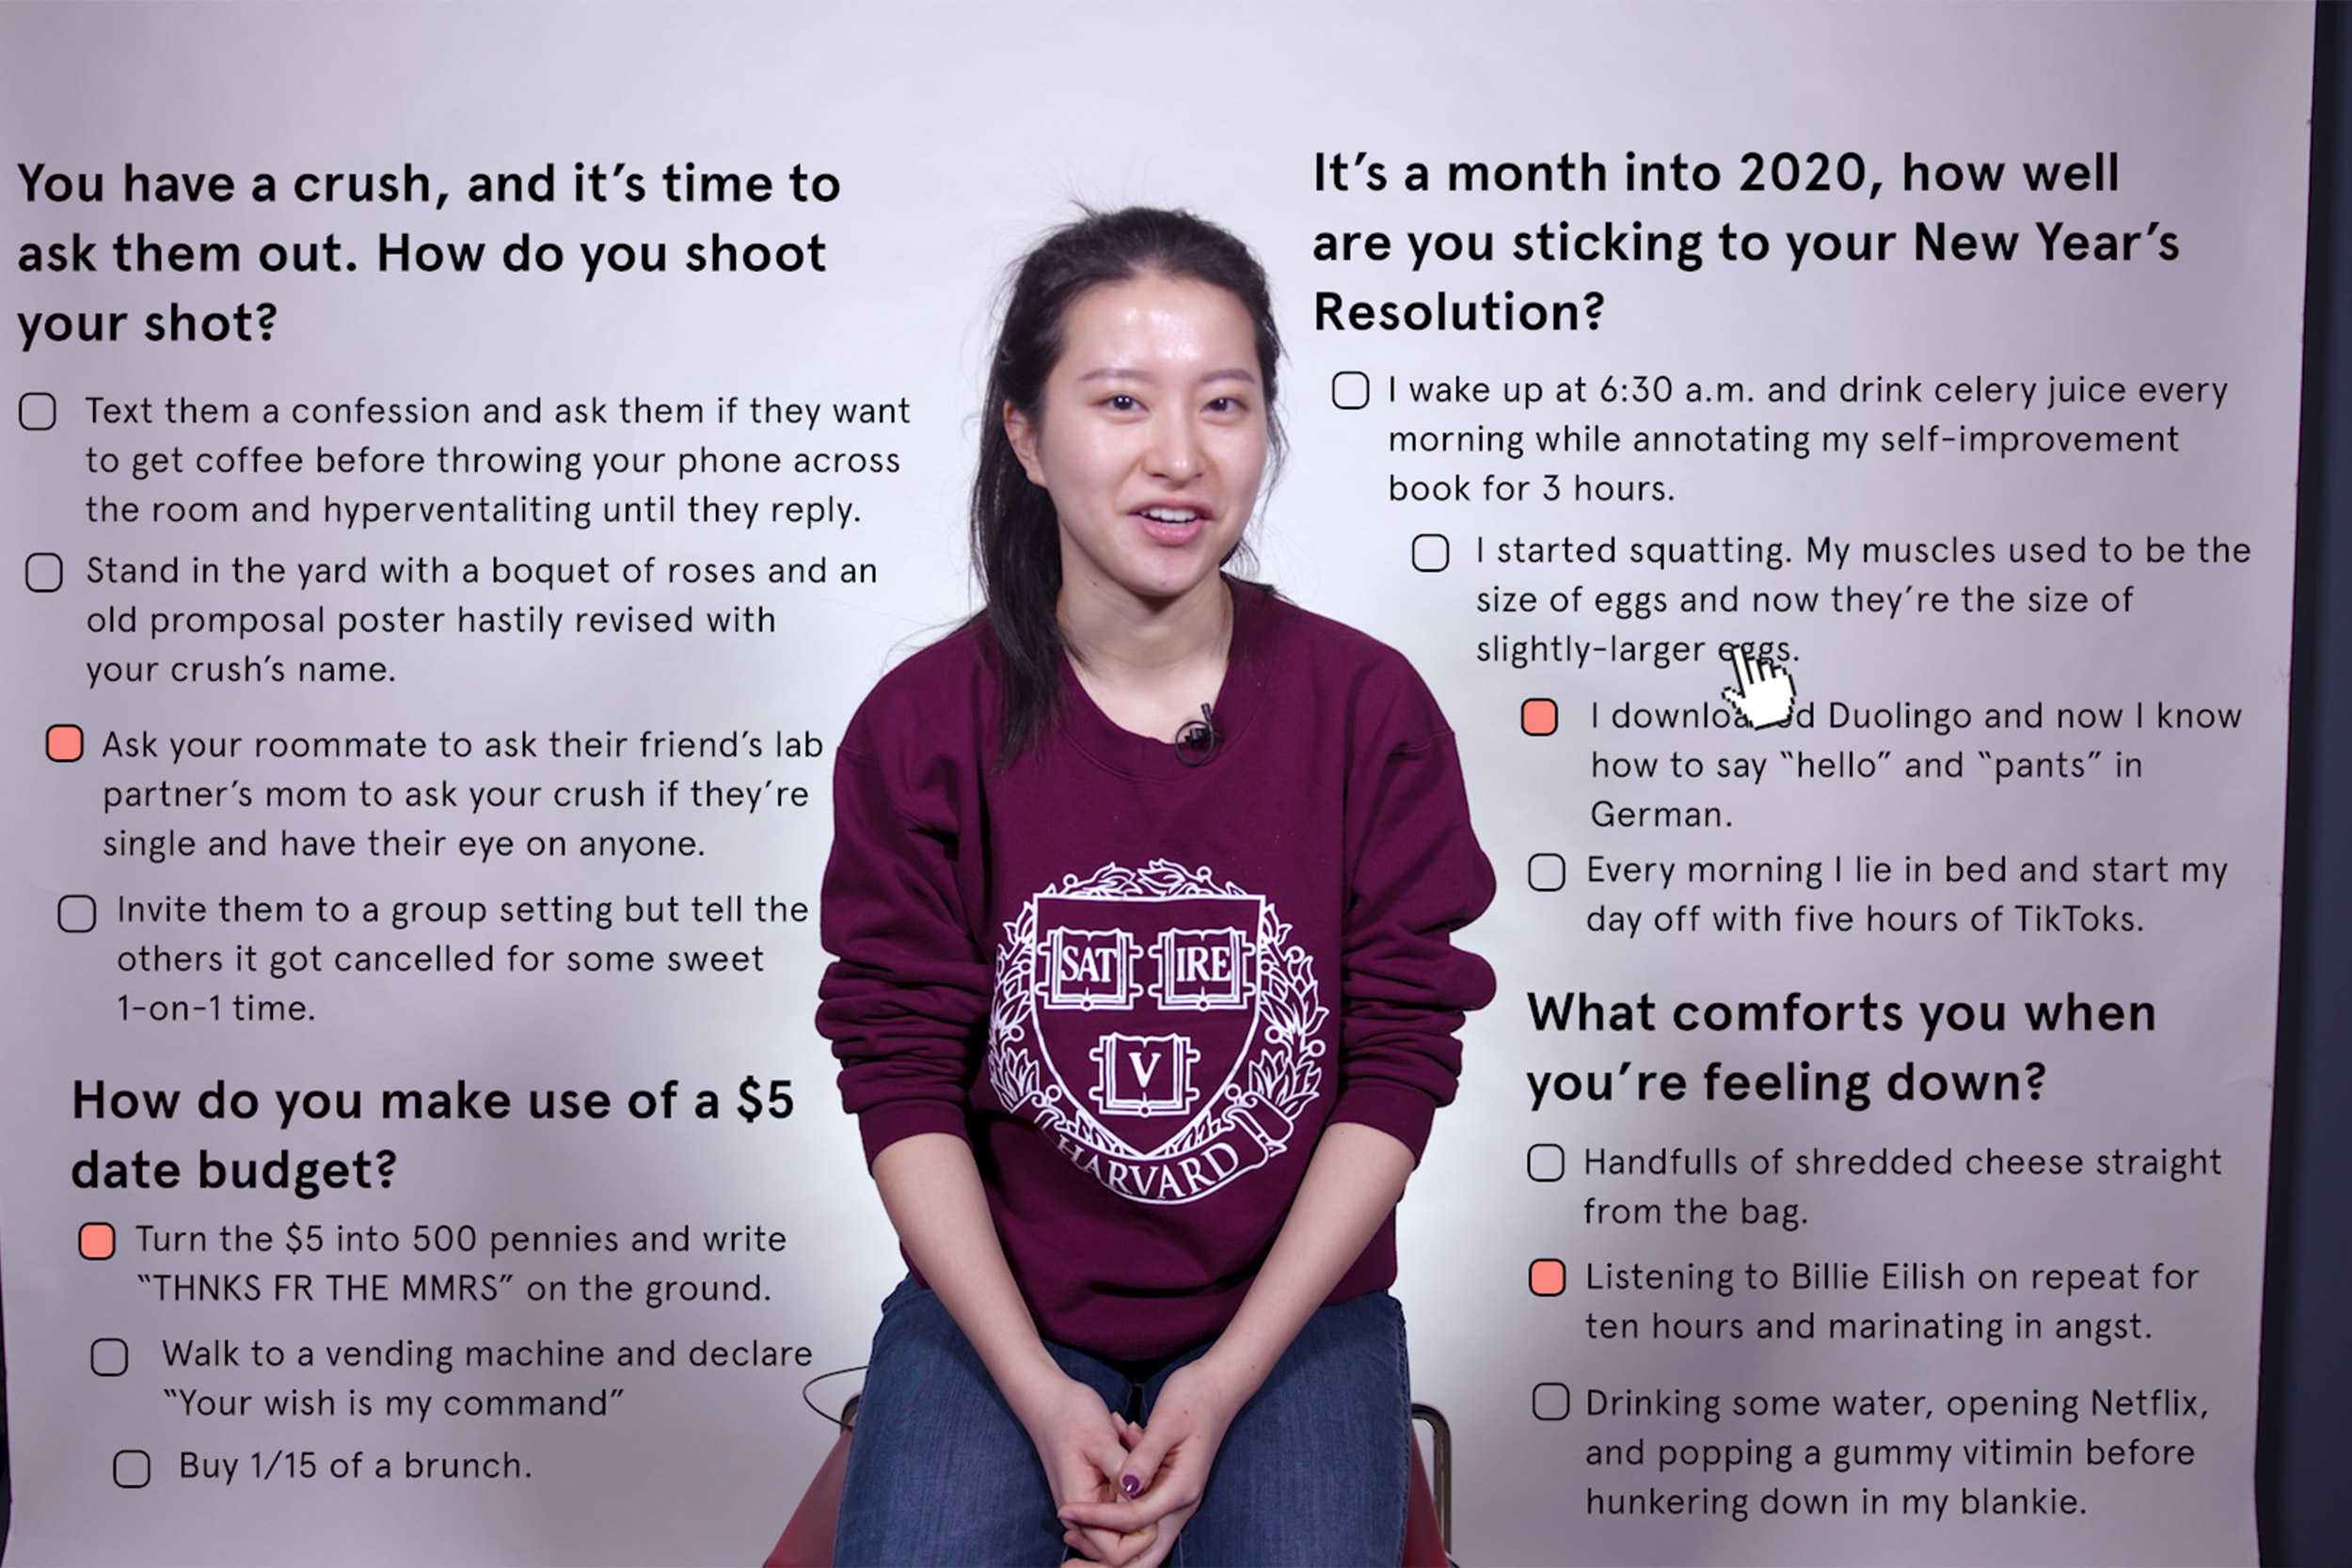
[1151,436]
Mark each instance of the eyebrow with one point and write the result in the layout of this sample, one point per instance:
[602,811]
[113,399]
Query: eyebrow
[1126,373]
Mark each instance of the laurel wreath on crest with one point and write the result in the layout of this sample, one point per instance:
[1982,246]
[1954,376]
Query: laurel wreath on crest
[1284,1076]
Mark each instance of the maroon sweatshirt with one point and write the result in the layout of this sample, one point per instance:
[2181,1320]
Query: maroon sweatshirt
[1141,988]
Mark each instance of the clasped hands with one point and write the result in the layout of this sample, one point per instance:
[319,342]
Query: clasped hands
[1124,1491]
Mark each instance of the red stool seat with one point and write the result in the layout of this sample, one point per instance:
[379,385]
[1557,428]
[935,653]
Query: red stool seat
[807,1540]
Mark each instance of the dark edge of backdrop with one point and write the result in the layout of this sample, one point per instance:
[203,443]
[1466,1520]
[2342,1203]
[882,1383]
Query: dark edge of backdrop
[2303,1446]
[8,1493]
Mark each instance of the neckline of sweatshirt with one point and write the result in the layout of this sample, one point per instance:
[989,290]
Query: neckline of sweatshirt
[1257,631]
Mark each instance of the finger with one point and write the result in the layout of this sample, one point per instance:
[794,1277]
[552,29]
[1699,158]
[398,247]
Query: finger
[1084,1476]
[1110,1548]
[1102,1544]
[1083,1546]
[1166,1543]
[1113,1460]
[1173,1496]
[1107,1518]
[1127,1546]
[1744,668]
[1120,1539]
[1145,1458]
[1178,1488]
[1106,1514]
[1138,1548]
[1109,1544]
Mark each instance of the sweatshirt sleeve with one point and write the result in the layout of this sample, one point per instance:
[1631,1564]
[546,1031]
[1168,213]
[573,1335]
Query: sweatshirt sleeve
[1417,876]
[905,1001]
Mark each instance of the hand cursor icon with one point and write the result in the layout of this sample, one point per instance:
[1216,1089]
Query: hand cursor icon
[1765,695]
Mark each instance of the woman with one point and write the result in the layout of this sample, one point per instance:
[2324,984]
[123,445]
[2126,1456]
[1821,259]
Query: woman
[1140,892]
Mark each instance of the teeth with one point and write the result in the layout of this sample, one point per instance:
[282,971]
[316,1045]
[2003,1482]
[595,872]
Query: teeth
[1168,515]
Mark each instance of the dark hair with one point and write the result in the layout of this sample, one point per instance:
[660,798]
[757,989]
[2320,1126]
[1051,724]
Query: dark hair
[1016,544]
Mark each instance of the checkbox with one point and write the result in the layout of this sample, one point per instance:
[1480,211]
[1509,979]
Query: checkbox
[1431,552]
[1351,389]
[37,411]
[1539,716]
[1552,1402]
[1547,1277]
[109,1357]
[98,1240]
[131,1469]
[65,743]
[1546,1162]
[1547,872]
[44,571]
[77,913]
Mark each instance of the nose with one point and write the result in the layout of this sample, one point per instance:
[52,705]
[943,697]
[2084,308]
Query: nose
[1176,452]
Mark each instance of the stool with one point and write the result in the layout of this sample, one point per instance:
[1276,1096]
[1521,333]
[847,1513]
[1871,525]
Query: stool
[807,1540]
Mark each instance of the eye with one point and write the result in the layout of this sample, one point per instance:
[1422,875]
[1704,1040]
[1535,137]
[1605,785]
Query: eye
[1121,402]
[1227,405]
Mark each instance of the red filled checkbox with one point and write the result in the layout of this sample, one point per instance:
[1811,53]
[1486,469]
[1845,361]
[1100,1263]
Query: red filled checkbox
[1547,1277]
[98,1240]
[1539,716]
[65,743]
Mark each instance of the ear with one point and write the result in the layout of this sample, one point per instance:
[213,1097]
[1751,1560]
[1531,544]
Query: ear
[1021,432]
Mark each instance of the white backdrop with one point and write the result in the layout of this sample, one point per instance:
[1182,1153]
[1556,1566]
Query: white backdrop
[2049,1361]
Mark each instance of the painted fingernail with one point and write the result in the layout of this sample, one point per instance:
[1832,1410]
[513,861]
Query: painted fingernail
[1132,1486]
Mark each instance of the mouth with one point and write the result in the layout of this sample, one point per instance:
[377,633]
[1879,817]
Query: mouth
[1171,525]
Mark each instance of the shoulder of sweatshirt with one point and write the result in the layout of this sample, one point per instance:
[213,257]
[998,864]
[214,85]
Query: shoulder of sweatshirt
[919,739]
[1383,689]
[930,698]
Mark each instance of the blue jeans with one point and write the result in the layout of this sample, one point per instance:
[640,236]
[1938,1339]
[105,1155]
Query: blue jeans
[1314,1469]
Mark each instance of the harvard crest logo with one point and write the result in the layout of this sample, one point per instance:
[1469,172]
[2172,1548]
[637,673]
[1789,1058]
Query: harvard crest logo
[1159,1026]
